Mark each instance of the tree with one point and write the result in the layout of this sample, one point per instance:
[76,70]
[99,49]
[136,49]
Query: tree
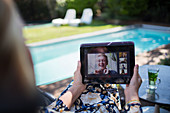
[36,10]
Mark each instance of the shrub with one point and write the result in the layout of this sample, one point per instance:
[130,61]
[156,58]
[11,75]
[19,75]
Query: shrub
[79,5]
[125,8]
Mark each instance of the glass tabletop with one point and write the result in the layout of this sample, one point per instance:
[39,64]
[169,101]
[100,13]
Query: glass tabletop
[162,94]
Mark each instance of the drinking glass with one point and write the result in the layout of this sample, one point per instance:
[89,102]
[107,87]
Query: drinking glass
[153,80]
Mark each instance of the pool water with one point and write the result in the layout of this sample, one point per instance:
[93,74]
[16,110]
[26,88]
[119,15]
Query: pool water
[58,61]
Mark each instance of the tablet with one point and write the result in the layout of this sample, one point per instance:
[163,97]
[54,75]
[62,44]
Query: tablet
[110,62]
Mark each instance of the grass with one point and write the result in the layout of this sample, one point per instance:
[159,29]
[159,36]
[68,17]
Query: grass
[36,34]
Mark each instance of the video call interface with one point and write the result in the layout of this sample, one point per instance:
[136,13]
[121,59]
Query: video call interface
[110,63]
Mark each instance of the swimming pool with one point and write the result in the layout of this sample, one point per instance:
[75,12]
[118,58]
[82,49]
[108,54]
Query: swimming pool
[57,61]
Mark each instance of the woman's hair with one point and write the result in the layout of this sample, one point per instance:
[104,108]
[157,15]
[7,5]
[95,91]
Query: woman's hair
[16,70]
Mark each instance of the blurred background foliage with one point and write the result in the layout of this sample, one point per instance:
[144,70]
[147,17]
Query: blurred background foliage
[37,10]
[79,5]
[138,10]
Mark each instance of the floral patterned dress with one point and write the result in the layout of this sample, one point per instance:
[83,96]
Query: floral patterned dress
[95,99]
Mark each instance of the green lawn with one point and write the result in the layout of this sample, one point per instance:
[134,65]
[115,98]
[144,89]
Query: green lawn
[36,34]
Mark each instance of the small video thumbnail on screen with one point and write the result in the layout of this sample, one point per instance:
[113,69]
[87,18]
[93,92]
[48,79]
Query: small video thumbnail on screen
[123,63]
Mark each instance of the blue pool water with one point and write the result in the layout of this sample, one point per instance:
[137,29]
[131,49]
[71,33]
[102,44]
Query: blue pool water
[54,62]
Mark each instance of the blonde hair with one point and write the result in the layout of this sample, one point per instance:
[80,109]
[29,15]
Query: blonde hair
[14,57]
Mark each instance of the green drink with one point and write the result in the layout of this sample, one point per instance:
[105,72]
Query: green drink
[152,75]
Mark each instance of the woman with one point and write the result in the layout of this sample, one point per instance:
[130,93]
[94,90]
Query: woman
[17,84]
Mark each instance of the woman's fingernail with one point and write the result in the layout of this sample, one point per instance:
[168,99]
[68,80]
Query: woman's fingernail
[137,66]
[78,63]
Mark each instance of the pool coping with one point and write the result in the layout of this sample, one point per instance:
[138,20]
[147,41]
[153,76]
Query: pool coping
[106,31]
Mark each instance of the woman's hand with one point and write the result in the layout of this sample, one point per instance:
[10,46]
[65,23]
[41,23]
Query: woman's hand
[78,78]
[131,91]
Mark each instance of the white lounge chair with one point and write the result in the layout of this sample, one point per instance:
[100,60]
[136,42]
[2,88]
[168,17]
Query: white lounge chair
[86,18]
[70,14]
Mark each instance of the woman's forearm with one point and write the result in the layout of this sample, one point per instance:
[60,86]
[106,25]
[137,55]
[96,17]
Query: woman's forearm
[131,95]
[131,91]
[72,94]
